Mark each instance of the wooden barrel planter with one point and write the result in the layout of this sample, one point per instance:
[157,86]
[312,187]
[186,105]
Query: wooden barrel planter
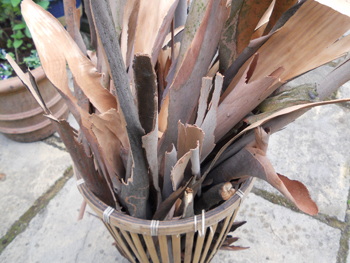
[21,119]
[168,241]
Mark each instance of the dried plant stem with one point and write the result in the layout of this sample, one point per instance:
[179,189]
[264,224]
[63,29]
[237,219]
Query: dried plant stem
[109,39]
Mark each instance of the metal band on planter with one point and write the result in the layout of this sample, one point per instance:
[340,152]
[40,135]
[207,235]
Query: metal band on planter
[80,181]
[107,213]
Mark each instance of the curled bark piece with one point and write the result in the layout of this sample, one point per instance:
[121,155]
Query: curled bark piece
[188,204]
[300,194]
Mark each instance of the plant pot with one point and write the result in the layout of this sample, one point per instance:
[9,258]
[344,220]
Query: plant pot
[168,241]
[21,119]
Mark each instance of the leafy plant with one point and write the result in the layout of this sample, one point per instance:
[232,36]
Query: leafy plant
[16,38]
[168,123]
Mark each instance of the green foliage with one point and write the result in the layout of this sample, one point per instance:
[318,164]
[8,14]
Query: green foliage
[32,61]
[10,15]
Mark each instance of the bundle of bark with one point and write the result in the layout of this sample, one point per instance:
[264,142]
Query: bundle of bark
[176,103]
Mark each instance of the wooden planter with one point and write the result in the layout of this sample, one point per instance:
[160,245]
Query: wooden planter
[168,241]
[21,119]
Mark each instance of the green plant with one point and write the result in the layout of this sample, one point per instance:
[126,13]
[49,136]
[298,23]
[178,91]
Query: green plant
[15,35]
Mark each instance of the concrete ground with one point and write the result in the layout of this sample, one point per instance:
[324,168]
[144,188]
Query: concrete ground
[39,200]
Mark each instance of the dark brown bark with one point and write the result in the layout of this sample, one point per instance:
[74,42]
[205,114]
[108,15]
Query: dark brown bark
[134,194]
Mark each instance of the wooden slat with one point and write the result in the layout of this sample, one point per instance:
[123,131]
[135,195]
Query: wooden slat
[223,231]
[163,244]
[122,244]
[137,242]
[131,244]
[229,226]
[189,246]
[120,249]
[199,248]
[220,242]
[208,243]
[151,248]
[176,240]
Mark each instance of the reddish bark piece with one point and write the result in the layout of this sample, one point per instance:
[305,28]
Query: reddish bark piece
[279,8]
[300,194]
[249,17]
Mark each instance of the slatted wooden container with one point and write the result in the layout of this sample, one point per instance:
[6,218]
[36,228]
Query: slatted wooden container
[169,241]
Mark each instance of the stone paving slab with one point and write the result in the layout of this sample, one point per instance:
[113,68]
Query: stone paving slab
[315,150]
[30,169]
[278,235]
[55,235]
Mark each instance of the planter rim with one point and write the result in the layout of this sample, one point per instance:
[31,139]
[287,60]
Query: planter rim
[14,83]
[171,227]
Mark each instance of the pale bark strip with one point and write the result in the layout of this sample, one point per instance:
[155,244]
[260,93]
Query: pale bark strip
[150,143]
[190,137]
[209,124]
[136,191]
[203,100]
[151,30]
[169,163]
[177,173]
